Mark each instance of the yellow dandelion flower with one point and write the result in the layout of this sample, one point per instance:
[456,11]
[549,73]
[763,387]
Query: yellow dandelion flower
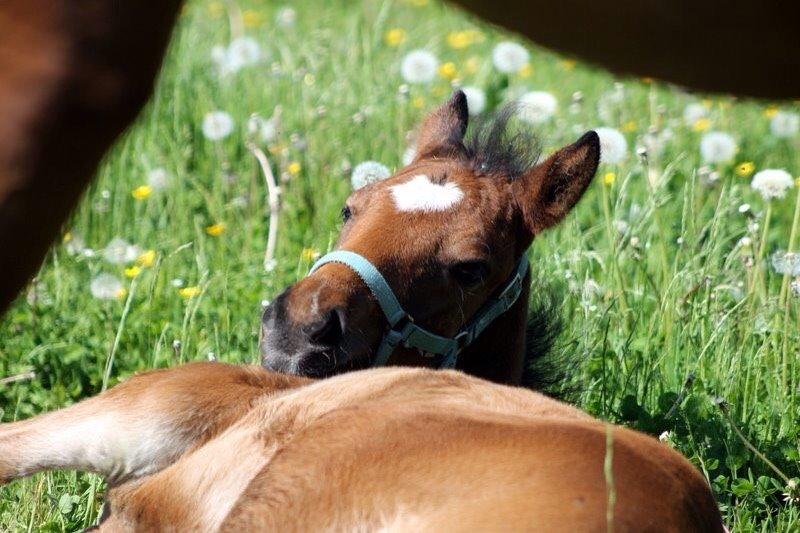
[609,178]
[459,39]
[476,36]
[189,292]
[771,111]
[395,37]
[797,182]
[216,9]
[526,71]
[418,102]
[701,124]
[252,19]
[707,103]
[142,192]
[122,293]
[146,258]
[745,169]
[629,126]
[309,79]
[132,271]
[419,3]
[215,230]
[294,168]
[309,254]
[448,70]
[472,65]
[67,237]
[568,64]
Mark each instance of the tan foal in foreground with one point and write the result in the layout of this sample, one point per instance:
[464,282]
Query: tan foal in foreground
[209,447]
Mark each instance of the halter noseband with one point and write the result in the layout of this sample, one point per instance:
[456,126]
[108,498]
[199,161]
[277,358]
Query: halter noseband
[403,330]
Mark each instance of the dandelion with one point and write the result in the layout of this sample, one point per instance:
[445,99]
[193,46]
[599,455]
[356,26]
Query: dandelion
[395,36]
[188,293]
[795,286]
[472,65]
[525,71]
[142,192]
[266,129]
[217,125]
[609,178]
[418,102]
[132,271]
[771,111]
[629,126]
[458,39]
[309,254]
[509,57]
[786,263]
[609,105]
[219,56]
[368,172]
[251,19]
[286,17]
[476,100]
[419,66]
[701,124]
[717,147]
[158,179]
[74,243]
[419,3]
[772,183]
[294,168]
[146,258]
[568,64]
[613,146]
[215,230]
[537,107]
[242,52]
[118,251]
[694,112]
[784,124]
[107,287]
[664,437]
[447,70]
[745,168]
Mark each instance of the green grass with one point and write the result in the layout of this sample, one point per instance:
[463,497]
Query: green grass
[682,315]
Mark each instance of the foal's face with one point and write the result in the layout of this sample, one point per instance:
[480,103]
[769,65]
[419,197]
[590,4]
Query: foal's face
[446,232]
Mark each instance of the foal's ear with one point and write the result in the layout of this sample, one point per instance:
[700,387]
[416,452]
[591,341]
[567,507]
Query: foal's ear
[550,190]
[442,131]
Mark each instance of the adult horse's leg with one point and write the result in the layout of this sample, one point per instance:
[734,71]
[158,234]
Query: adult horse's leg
[73,75]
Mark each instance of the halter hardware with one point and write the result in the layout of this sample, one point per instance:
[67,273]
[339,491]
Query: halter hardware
[403,330]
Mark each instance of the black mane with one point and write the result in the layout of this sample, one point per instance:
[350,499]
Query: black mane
[499,145]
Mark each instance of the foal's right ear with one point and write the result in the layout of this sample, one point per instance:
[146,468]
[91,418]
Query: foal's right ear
[442,131]
[551,189]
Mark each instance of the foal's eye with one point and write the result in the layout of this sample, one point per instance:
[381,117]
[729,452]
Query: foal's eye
[346,214]
[469,273]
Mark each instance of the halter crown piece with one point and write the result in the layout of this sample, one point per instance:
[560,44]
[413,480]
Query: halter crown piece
[403,330]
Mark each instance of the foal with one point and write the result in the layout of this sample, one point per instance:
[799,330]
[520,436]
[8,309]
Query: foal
[210,447]
[431,266]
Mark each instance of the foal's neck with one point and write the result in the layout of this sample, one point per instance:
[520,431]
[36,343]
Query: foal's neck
[499,353]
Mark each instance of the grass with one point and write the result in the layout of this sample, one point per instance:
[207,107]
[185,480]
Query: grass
[680,328]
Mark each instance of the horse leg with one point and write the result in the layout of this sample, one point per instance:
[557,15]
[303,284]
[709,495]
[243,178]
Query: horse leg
[138,427]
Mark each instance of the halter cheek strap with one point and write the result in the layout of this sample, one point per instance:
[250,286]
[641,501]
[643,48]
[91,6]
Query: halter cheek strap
[403,330]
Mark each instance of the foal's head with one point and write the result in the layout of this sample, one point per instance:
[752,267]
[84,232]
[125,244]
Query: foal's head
[446,232]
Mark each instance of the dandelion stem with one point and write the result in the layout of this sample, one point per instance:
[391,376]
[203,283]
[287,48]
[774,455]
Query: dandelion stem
[118,336]
[273,192]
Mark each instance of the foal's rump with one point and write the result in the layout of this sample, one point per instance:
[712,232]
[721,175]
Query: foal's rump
[400,468]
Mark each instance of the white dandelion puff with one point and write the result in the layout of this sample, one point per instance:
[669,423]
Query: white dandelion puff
[368,172]
[476,100]
[610,104]
[242,52]
[118,251]
[694,112]
[286,17]
[772,183]
[613,146]
[217,125]
[106,287]
[717,147]
[509,57]
[158,178]
[786,263]
[419,66]
[537,107]
[785,124]
[266,129]
[75,245]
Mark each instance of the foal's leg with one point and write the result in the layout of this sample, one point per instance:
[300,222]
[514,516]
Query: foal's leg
[139,426]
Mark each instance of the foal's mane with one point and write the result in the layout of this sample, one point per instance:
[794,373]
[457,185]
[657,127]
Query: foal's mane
[498,145]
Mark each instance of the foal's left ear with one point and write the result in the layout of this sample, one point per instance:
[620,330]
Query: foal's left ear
[551,189]
[442,131]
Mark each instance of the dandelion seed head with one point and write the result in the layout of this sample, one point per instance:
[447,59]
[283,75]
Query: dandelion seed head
[772,183]
[217,125]
[118,251]
[784,124]
[537,107]
[158,179]
[242,52]
[786,263]
[106,287]
[419,66]
[509,57]
[286,17]
[694,112]
[368,172]
[476,100]
[613,146]
[717,147]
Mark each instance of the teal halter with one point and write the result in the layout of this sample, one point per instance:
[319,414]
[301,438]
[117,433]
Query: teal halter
[403,330]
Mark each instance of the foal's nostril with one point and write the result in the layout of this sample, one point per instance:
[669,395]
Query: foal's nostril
[330,330]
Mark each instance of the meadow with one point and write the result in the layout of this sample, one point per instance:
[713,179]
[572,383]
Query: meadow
[679,298]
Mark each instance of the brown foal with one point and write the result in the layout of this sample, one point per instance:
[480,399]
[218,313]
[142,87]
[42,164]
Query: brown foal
[215,447]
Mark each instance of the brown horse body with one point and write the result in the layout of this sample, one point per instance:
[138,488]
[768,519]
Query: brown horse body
[215,447]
